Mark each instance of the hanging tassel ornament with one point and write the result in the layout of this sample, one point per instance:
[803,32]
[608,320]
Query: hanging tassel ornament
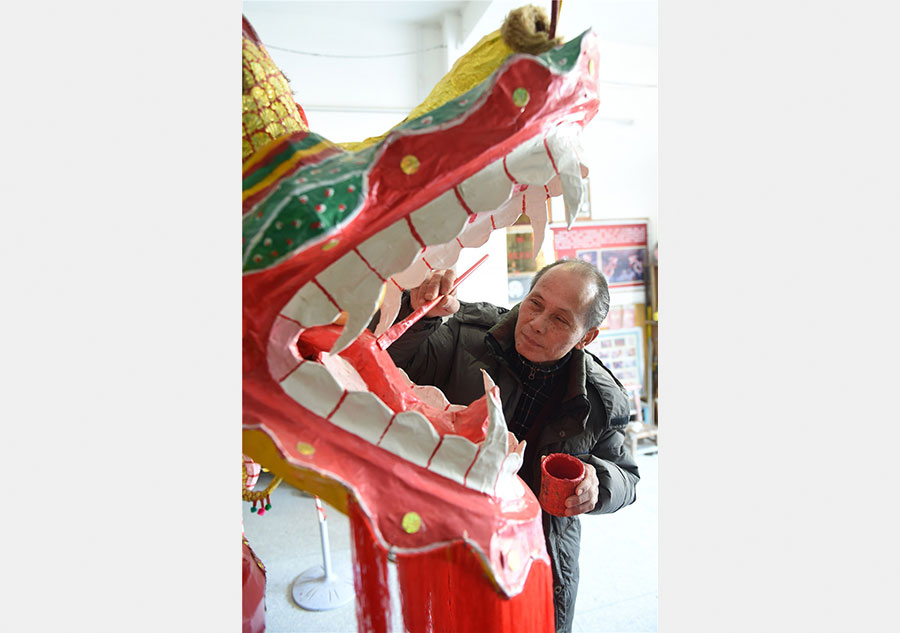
[256,498]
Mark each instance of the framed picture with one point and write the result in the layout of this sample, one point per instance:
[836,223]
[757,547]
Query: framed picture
[622,353]
[617,247]
[623,265]
[592,256]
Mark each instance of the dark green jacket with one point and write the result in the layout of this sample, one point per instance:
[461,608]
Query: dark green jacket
[589,423]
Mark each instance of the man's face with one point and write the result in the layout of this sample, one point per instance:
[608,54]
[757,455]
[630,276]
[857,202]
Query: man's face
[552,316]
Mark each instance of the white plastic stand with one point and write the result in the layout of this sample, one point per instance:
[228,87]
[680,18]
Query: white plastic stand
[318,588]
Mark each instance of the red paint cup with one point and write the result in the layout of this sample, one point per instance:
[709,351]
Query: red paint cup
[560,475]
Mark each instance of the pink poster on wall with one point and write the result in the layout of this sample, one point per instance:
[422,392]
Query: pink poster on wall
[619,249]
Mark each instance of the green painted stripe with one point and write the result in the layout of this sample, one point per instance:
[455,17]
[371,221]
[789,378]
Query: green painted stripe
[291,147]
[564,58]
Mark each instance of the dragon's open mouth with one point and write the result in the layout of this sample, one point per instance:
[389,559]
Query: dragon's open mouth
[466,444]
[336,238]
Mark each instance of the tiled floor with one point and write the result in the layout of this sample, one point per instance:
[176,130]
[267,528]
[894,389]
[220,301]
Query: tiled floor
[617,594]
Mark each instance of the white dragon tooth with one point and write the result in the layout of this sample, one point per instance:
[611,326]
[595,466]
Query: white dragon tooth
[391,250]
[310,307]
[432,396]
[390,306]
[554,187]
[281,353]
[356,289]
[477,232]
[363,414]
[574,195]
[486,470]
[453,457]
[412,436]
[486,190]
[344,373]
[510,211]
[313,387]
[440,220]
[414,275]
[564,145]
[443,255]
[508,486]
[529,163]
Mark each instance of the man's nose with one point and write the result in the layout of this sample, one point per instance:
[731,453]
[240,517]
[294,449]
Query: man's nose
[539,324]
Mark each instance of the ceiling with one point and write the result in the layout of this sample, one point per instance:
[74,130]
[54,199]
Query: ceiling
[418,11]
[632,22]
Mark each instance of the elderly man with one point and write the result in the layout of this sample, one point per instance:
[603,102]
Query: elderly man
[555,396]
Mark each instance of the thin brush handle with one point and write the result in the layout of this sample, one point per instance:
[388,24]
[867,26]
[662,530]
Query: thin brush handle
[397,330]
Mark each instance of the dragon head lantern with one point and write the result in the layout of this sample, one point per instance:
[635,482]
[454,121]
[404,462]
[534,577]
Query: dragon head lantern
[333,233]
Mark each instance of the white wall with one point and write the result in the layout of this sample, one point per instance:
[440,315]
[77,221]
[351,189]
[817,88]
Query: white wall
[352,99]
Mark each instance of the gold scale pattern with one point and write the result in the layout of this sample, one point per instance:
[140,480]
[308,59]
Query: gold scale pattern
[269,110]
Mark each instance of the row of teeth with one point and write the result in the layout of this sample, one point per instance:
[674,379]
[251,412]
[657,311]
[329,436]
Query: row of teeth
[546,165]
[487,466]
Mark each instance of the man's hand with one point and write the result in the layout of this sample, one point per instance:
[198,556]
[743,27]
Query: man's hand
[586,494]
[437,282]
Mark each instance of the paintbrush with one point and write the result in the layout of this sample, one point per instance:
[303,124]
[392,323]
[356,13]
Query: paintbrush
[397,330]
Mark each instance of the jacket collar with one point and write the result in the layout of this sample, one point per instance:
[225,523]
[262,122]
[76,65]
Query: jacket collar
[501,340]
[575,405]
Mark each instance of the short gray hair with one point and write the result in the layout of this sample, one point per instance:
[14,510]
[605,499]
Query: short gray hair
[599,307]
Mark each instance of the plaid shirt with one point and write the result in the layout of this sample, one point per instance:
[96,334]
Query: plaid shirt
[537,385]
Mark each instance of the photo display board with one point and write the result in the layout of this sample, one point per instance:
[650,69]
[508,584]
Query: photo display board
[622,352]
[618,248]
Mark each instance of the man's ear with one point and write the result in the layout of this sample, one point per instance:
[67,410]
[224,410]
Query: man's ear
[589,336]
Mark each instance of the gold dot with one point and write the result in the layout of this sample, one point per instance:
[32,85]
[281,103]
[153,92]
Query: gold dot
[330,244]
[520,97]
[409,164]
[412,522]
[305,449]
